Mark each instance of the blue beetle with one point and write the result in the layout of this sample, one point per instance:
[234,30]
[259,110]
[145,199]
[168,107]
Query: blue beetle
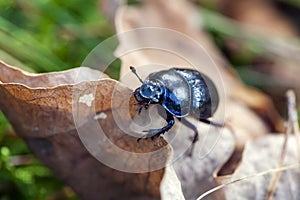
[181,92]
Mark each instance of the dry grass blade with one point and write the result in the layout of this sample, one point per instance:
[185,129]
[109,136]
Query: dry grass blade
[275,179]
[292,125]
[290,101]
[293,117]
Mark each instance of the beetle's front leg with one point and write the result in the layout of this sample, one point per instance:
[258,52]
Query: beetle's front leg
[156,132]
[206,121]
[144,105]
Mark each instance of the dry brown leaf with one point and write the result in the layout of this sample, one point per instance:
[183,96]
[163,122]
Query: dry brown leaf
[269,148]
[109,8]
[171,186]
[43,110]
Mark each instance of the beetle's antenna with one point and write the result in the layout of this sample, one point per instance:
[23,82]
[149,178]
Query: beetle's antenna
[134,71]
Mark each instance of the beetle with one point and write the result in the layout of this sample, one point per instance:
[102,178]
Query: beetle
[182,93]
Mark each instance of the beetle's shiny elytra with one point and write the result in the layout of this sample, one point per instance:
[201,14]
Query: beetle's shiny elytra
[181,92]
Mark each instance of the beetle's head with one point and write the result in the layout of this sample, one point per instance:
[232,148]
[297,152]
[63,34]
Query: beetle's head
[150,91]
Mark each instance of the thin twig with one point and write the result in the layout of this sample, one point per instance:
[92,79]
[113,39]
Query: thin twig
[293,117]
[291,125]
[276,176]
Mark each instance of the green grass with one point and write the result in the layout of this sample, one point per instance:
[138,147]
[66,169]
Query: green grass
[51,35]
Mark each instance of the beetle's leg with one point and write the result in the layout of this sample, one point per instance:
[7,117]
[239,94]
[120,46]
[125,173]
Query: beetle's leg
[191,126]
[156,132]
[143,105]
[147,105]
[206,121]
[140,109]
[196,135]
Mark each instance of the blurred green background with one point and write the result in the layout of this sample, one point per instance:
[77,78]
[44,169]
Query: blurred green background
[53,35]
